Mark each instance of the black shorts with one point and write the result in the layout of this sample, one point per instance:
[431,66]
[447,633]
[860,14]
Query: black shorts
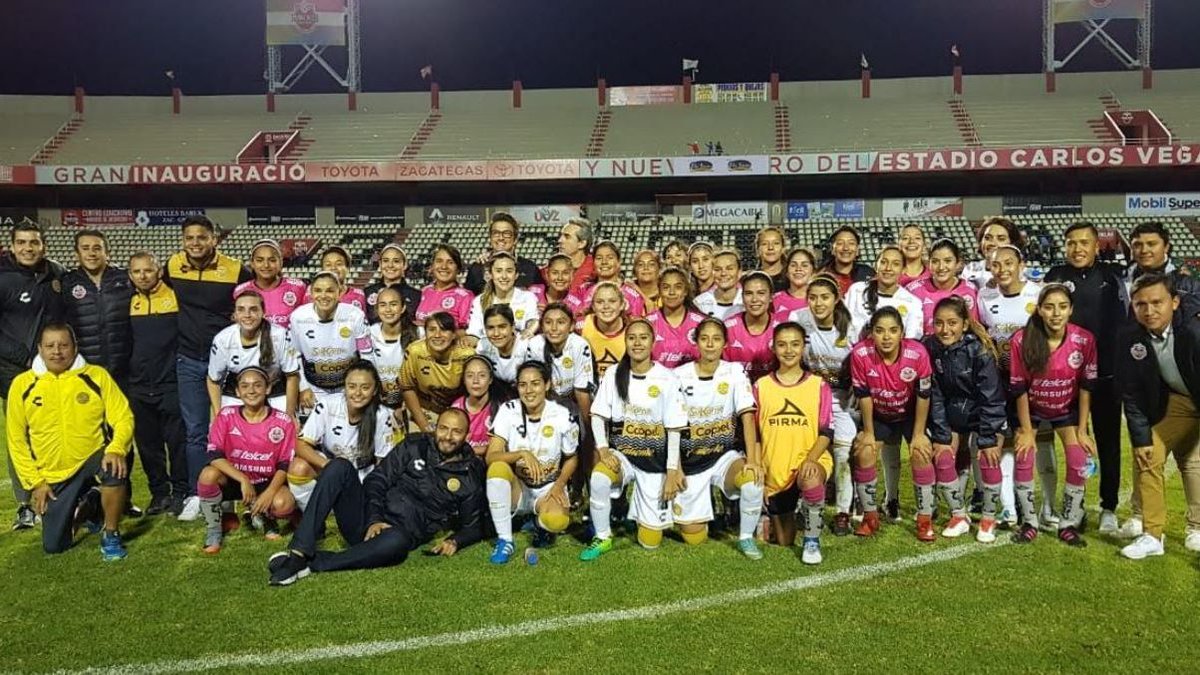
[231,491]
[890,433]
[1071,419]
[783,503]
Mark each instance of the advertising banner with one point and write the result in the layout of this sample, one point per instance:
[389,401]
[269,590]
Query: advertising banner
[1163,204]
[730,213]
[97,217]
[160,217]
[350,215]
[724,165]
[281,215]
[733,92]
[306,22]
[13,215]
[546,214]
[841,208]
[1054,204]
[651,95]
[456,215]
[923,207]
[623,211]
[1066,11]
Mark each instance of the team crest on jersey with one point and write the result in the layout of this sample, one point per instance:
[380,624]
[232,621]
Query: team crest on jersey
[453,484]
[519,315]
[677,509]
[56,286]
[968,301]
[447,303]
[903,310]
[1075,359]
[841,342]
[79,292]
[653,391]
[344,331]
[289,299]
[275,434]
[82,398]
[723,388]
[1138,351]
[568,362]
[547,431]
[1030,308]
[372,299]
[908,374]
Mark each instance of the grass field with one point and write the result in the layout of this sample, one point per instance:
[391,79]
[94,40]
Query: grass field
[890,604]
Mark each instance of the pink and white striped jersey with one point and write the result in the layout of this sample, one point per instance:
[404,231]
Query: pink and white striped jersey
[1054,392]
[749,349]
[893,388]
[930,295]
[456,300]
[675,345]
[257,449]
[279,302]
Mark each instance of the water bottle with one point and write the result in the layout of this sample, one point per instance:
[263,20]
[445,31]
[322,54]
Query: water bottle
[1089,468]
[531,556]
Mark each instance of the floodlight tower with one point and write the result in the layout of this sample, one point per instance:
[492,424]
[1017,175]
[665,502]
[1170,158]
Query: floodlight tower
[1095,17]
[314,26]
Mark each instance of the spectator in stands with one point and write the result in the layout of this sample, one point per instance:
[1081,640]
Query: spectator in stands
[1159,377]
[708,148]
[444,294]
[995,232]
[393,265]
[607,259]
[203,279]
[30,285]
[153,392]
[1151,253]
[281,295]
[431,377]
[719,150]
[912,245]
[58,454]
[769,245]
[700,264]
[575,241]
[646,270]
[337,260]
[1101,306]
[675,254]
[842,263]
[502,238]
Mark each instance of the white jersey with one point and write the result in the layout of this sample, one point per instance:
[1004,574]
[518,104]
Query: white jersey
[388,357]
[329,430]
[977,273]
[638,426]
[713,405]
[1004,315]
[825,351]
[229,356]
[903,300]
[707,302]
[328,348]
[572,370]
[524,306]
[505,366]
[552,437]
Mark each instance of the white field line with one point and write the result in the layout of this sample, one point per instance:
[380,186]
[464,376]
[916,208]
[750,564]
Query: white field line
[358,650]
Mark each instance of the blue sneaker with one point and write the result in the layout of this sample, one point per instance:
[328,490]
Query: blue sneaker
[111,547]
[503,552]
[749,549]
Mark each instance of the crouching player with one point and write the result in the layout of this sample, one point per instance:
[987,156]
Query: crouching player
[717,396]
[531,458]
[637,418]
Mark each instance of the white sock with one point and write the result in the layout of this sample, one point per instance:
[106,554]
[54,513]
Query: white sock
[499,494]
[975,475]
[843,480]
[891,472]
[1047,468]
[302,493]
[600,504]
[1008,499]
[749,509]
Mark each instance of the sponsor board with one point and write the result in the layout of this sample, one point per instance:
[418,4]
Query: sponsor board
[1163,204]
[650,95]
[1054,204]
[731,92]
[14,215]
[730,213]
[455,215]
[97,217]
[160,217]
[350,215]
[823,210]
[547,214]
[281,215]
[623,211]
[923,207]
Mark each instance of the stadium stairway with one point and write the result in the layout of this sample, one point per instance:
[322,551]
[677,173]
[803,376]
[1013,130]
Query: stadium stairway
[50,148]
[783,128]
[302,144]
[595,144]
[962,119]
[422,134]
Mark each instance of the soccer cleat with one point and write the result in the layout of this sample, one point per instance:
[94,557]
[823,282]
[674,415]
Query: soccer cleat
[25,519]
[976,508]
[856,510]
[111,548]
[595,549]
[212,542]
[925,528]
[270,529]
[191,509]
[958,526]
[293,568]
[159,506]
[1192,540]
[841,525]
[812,551]
[749,549]
[1108,522]
[987,531]
[229,522]
[869,525]
[1025,535]
[502,553]
[893,510]
[1132,529]
[1071,537]
[1144,546]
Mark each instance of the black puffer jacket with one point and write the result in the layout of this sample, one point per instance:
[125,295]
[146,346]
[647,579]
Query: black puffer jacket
[29,299]
[100,317]
[967,395]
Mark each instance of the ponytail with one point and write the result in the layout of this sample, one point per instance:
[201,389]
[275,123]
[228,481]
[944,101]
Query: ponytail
[625,366]
[841,314]
[266,347]
[365,444]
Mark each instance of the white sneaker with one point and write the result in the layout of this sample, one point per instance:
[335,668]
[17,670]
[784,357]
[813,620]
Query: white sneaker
[1192,542]
[957,527]
[812,552]
[1132,529]
[1108,522]
[191,509]
[987,531]
[1143,546]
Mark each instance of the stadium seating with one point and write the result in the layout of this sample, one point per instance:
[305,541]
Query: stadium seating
[666,130]
[22,135]
[378,136]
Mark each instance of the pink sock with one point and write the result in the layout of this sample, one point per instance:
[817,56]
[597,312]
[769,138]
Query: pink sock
[944,467]
[1076,458]
[207,491]
[924,475]
[991,474]
[864,475]
[815,495]
[1024,470]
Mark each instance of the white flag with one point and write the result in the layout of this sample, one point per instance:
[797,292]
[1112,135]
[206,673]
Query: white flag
[691,64]
[954,51]
[426,72]
[864,63]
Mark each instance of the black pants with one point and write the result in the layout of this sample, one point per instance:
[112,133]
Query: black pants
[158,431]
[1106,428]
[57,534]
[340,492]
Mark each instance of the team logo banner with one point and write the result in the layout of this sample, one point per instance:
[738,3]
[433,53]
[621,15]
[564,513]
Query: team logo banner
[923,207]
[306,22]
[1067,11]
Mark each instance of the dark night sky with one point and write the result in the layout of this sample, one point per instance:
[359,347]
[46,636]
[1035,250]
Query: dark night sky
[216,46]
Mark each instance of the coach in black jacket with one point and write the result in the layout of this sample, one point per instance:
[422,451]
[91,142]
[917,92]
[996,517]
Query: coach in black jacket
[426,483]
[96,296]
[1159,379]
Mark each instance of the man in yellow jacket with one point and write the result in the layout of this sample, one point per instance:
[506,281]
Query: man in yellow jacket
[69,428]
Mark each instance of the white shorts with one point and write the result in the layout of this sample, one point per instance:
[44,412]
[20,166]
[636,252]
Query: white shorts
[275,402]
[694,505]
[646,507]
[529,497]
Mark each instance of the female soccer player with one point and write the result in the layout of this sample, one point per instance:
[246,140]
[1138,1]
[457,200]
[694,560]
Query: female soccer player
[842,263]
[502,345]
[769,246]
[249,450]
[994,232]
[393,265]
[480,402]
[337,260]
[531,458]
[445,294]
[944,262]
[675,254]
[389,338]
[608,270]
[912,246]
[968,398]
[253,341]
[330,337]
[646,269]
[891,378]
[750,331]
[700,264]
[604,326]
[499,290]
[724,299]
[826,324]
[431,377]
[1053,371]
[354,426]
[795,423]
[675,324]
[864,297]
[799,264]
[569,357]
[637,419]
[718,399]
[281,295]
[557,289]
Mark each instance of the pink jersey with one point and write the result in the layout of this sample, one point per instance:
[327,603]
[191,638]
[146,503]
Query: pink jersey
[1054,392]
[893,388]
[352,296]
[675,345]
[539,292]
[907,280]
[455,300]
[477,425]
[751,350]
[279,302]
[785,303]
[931,295]
[257,449]
[581,301]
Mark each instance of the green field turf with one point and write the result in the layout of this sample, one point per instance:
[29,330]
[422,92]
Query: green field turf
[1041,608]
